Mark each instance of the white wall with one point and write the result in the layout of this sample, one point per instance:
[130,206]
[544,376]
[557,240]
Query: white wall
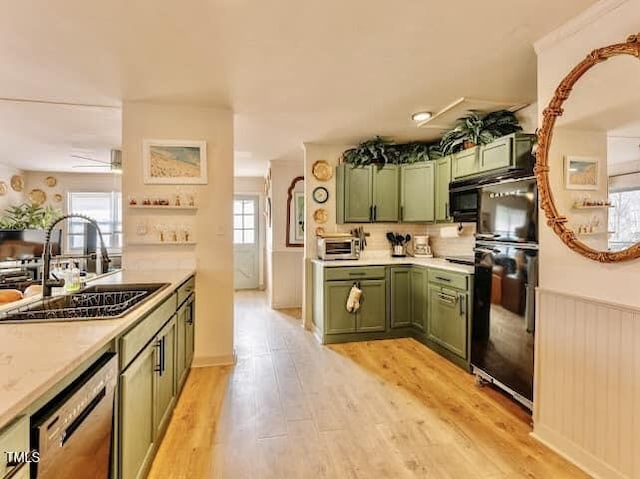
[284,264]
[565,272]
[254,186]
[212,257]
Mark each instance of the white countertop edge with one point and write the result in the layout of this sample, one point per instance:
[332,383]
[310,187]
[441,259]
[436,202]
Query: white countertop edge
[436,263]
[21,402]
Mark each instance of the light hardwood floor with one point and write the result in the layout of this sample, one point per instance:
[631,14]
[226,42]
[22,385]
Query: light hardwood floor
[291,408]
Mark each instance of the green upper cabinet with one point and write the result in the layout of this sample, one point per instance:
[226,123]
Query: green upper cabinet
[367,194]
[400,297]
[509,151]
[385,194]
[465,163]
[419,298]
[355,194]
[417,192]
[443,178]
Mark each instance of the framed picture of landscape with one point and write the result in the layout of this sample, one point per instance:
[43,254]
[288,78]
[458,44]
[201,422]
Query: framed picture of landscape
[580,173]
[174,162]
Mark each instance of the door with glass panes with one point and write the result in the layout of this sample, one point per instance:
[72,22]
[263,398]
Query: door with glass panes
[245,242]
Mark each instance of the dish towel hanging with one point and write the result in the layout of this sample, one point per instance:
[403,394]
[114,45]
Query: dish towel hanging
[353,301]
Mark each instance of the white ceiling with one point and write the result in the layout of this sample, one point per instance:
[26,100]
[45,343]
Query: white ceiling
[292,71]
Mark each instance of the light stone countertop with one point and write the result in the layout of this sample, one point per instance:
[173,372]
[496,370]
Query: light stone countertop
[34,357]
[388,260]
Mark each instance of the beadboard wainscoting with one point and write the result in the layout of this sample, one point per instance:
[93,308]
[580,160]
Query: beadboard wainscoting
[587,389]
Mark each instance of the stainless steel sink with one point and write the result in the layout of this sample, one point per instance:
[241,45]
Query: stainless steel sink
[103,301]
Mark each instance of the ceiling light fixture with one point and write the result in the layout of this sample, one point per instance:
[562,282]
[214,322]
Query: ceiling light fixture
[421,116]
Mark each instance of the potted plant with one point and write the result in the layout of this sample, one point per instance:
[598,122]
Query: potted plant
[29,216]
[377,151]
[476,129]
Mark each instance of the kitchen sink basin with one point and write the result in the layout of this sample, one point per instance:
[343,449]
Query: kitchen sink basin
[103,301]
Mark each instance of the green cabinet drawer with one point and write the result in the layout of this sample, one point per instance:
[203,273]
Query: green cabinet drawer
[400,297]
[417,192]
[14,438]
[337,319]
[133,341]
[465,163]
[449,278]
[186,289]
[355,273]
[447,325]
[497,154]
[443,178]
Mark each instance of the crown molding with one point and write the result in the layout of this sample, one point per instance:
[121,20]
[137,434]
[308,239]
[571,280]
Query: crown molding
[577,23]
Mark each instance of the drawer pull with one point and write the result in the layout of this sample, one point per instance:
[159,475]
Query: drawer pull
[446,280]
[360,273]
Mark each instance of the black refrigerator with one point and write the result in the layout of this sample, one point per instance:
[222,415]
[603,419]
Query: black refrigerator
[506,275]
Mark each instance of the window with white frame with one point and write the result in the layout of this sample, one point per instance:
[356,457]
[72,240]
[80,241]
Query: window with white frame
[244,221]
[104,207]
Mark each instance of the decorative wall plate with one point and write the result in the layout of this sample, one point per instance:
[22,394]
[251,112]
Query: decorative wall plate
[319,231]
[17,183]
[320,216]
[320,194]
[322,170]
[50,181]
[3,188]
[57,197]
[37,197]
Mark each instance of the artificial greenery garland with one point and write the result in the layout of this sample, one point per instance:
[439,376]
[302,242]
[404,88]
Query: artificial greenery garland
[470,130]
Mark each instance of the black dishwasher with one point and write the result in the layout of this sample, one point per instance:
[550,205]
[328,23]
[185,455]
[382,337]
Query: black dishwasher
[73,432]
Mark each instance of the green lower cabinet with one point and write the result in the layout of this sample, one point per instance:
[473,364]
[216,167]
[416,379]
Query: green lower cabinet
[417,191]
[400,296]
[184,341]
[419,298]
[447,325]
[165,379]
[443,178]
[337,319]
[137,397]
[372,315]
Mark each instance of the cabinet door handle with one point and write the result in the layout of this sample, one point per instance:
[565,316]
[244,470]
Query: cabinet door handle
[401,213]
[375,212]
[461,305]
[158,346]
[446,211]
[370,213]
[163,361]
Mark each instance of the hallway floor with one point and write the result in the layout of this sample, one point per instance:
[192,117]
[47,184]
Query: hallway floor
[291,408]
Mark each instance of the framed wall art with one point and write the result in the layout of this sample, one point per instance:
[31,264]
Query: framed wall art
[580,173]
[174,162]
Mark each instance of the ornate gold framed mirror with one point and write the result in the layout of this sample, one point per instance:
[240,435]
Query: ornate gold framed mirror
[590,138]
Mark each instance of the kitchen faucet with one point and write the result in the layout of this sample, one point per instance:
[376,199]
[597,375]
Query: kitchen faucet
[47,283]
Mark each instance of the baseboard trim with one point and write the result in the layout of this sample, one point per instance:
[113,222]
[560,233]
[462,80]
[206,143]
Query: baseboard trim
[208,361]
[574,453]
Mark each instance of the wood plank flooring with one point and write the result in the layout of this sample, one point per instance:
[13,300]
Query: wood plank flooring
[291,408]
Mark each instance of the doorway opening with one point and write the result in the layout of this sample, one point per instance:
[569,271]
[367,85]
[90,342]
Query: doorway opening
[246,244]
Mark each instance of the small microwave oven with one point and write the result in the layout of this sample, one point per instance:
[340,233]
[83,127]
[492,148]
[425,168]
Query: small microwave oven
[338,248]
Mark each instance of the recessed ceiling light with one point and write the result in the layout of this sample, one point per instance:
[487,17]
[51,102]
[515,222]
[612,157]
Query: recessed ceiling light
[421,116]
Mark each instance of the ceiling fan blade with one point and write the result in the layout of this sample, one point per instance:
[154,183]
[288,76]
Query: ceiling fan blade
[90,166]
[91,159]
